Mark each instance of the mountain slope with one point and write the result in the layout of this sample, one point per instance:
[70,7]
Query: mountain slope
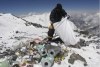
[9,23]
[13,30]
[86,21]
[42,19]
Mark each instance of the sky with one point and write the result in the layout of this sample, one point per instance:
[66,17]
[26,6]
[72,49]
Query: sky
[18,7]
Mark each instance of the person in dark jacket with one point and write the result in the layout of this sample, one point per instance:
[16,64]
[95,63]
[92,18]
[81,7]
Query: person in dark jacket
[56,15]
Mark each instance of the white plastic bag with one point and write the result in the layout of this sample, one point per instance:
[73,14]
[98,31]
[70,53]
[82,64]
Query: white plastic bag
[65,31]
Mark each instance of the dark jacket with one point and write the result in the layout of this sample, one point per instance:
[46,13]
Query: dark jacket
[56,16]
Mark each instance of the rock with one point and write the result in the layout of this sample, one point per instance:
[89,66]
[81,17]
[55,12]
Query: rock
[89,57]
[75,57]
[84,32]
[85,64]
[71,61]
[83,43]
[69,66]
[17,31]
[0,48]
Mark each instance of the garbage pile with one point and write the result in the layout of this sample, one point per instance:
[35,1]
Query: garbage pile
[33,53]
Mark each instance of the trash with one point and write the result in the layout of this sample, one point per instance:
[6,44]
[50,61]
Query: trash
[23,49]
[1,55]
[68,36]
[42,50]
[66,51]
[29,65]
[14,57]
[32,44]
[15,63]
[24,64]
[37,58]
[62,58]
[27,53]
[30,57]
[52,50]
[4,63]
[59,57]
[47,62]
[20,53]
[58,62]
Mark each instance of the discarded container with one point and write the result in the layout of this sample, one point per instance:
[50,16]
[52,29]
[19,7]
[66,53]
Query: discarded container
[29,65]
[30,57]
[37,58]
[55,59]
[58,62]
[1,55]
[47,62]
[53,50]
[24,64]
[41,49]
[15,64]
[4,63]
[23,49]
[62,58]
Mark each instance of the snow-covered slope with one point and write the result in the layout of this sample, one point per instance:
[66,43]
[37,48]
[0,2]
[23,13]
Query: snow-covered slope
[9,22]
[14,30]
[42,19]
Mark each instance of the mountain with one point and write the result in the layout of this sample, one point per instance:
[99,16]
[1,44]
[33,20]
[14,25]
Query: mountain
[83,21]
[8,22]
[14,31]
[30,14]
[95,30]
[42,19]
[87,21]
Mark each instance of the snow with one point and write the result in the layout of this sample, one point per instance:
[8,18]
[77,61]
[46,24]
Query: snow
[9,24]
[42,19]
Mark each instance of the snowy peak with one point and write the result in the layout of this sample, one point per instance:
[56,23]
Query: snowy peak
[42,19]
[86,21]
[9,22]
[9,17]
[32,13]
[29,14]
[94,30]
